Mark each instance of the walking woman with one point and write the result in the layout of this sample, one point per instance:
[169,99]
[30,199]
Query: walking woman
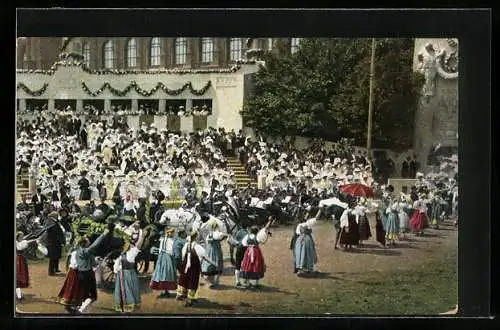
[22,271]
[71,294]
[305,249]
[127,296]
[349,234]
[419,220]
[404,219]
[192,256]
[164,277]
[392,222]
[214,253]
[240,250]
[364,226]
[379,227]
[253,266]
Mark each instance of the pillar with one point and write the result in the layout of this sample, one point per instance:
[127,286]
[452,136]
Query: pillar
[162,104]
[79,105]
[51,105]
[187,124]
[135,106]
[22,105]
[189,105]
[107,106]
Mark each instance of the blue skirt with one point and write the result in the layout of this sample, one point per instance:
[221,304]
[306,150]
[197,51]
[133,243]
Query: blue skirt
[305,253]
[165,274]
[214,253]
[392,223]
[127,295]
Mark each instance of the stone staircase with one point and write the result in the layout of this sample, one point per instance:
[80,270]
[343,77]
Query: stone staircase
[242,178]
[22,188]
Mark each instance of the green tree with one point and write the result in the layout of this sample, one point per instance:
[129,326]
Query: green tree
[322,91]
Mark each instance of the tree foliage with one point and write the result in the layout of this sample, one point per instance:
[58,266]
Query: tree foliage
[323,90]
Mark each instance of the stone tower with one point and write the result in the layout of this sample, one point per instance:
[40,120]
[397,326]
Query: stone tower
[436,119]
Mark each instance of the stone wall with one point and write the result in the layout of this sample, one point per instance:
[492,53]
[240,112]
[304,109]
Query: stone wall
[436,118]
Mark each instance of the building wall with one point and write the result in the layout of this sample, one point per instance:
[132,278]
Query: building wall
[436,119]
[226,91]
[43,52]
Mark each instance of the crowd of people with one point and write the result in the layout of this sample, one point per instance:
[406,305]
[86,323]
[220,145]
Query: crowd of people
[106,160]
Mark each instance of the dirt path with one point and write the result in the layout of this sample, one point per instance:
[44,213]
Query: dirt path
[282,291]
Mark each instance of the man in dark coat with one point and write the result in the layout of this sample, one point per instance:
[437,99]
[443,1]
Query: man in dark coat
[83,137]
[37,201]
[84,184]
[54,240]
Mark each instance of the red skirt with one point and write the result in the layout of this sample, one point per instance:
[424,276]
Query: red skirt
[253,267]
[419,221]
[72,293]
[22,273]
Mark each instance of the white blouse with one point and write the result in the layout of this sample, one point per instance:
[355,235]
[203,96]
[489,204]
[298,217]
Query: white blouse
[130,255]
[22,245]
[167,245]
[261,237]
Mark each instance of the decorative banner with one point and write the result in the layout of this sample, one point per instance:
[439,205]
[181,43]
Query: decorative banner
[143,92]
[30,92]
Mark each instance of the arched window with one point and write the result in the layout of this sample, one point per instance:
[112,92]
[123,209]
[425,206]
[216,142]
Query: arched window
[235,49]
[109,55]
[207,50]
[155,52]
[180,51]
[131,53]
[86,54]
[294,45]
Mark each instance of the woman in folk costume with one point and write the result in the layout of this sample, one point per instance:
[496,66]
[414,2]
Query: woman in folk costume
[127,296]
[85,260]
[22,272]
[404,219]
[174,187]
[438,210]
[214,253]
[253,266]
[192,256]
[419,220]
[364,226]
[71,294]
[237,241]
[349,235]
[392,222]
[305,249]
[164,277]
[109,183]
[129,206]
[380,218]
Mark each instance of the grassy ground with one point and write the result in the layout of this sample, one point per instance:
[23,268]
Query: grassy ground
[418,277]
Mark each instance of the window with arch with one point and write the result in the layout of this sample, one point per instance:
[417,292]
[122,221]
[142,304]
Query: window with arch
[235,49]
[109,55]
[86,54]
[155,52]
[181,51]
[207,50]
[131,53]
[294,45]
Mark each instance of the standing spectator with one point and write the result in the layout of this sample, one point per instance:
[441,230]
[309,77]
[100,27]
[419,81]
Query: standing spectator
[55,239]
[38,200]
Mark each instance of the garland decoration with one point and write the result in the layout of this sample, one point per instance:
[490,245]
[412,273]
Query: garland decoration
[33,93]
[68,60]
[143,92]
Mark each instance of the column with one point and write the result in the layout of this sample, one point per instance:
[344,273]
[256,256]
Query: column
[107,106]
[22,106]
[187,124]
[162,104]
[189,105]
[135,106]
[51,105]
[79,105]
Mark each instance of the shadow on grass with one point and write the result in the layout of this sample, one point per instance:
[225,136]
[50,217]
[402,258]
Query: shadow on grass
[228,271]
[381,252]
[320,275]
[271,289]
[30,298]
[209,304]
[405,245]
[223,287]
